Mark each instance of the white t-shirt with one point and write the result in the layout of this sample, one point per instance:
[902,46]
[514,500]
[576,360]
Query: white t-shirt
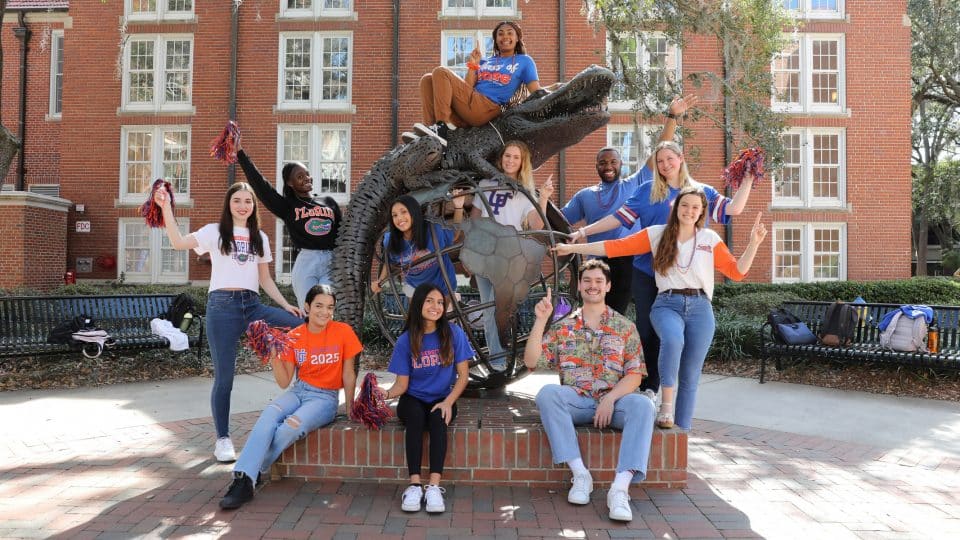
[509,207]
[699,274]
[240,269]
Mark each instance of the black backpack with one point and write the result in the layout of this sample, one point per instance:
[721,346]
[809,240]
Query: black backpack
[839,325]
[181,305]
[775,318]
[62,334]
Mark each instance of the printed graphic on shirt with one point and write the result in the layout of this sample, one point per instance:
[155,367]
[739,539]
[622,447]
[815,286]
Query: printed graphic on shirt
[499,199]
[498,73]
[705,247]
[241,252]
[427,359]
[317,356]
[319,219]
[409,255]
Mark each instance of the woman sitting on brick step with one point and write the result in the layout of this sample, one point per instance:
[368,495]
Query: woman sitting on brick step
[431,362]
[319,363]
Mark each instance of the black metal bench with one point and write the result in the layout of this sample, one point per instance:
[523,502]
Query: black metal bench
[866,344]
[25,321]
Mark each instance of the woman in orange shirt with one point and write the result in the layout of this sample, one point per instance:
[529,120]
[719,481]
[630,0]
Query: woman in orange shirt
[321,359]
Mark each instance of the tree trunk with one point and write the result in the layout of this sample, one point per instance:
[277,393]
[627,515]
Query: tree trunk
[9,143]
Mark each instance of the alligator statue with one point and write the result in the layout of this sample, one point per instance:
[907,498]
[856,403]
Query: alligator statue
[546,122]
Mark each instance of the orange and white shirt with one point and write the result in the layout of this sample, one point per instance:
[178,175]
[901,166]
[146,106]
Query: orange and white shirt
[697,258]
[319,357]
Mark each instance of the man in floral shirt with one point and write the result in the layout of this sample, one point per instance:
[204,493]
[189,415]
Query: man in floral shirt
[600,361]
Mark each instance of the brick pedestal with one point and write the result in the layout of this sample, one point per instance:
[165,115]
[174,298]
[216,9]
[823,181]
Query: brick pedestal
[492,441]
[34,240]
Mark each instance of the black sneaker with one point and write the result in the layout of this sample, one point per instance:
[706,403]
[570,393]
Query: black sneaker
[239,493]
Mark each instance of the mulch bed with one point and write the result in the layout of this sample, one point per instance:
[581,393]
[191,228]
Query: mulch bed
[73,371]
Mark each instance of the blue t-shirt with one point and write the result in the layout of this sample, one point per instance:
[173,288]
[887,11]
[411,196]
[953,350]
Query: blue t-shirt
[639,213]
[591,204]
[430,381]
[427,271]
[499,77]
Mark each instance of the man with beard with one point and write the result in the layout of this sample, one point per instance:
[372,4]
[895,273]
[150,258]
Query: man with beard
[598,355]
[591,204]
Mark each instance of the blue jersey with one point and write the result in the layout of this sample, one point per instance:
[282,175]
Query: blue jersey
[430,380]
[639,213]
[499,77]
[596,202]
[429,270]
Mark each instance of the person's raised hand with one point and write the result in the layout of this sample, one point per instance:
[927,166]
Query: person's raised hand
[681,104]
[160,198]
[759,231]
[475,55]
[544,307]
[546,189]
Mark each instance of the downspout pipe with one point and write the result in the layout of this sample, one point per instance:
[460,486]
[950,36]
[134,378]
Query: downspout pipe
[234,56]
[23,34]
[561,75]
[395,78]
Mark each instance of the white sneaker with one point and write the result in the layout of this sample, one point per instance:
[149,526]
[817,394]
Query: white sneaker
[652,395]
[411,499]
[430,131]
[223,451]
[408,137]
[618,501]
[434,497]
[581,489]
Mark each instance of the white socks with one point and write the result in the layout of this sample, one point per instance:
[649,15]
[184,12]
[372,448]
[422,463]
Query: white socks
[622,481]
[577,466]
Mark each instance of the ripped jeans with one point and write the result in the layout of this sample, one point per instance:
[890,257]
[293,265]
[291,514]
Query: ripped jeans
[294,413]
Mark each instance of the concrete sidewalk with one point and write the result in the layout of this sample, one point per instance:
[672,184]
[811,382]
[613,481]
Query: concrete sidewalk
[765,461]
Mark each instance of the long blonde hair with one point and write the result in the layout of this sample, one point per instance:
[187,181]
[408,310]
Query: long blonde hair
[661,189]
[667,249]
[525,174]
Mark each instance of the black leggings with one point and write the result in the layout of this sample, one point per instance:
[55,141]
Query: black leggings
[416,415]
[644,294]
[621,279]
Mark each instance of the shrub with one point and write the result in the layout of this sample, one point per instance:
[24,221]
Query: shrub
[919,290]
[754,304]
[950,262]
[737,336]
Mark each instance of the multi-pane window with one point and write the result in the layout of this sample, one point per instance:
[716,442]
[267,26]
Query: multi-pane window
[808,75]
[813,173]
[653,54]
[157,73]
[457,45]
[151,152]
[314,8]
[324,149]
[481,8]
[809,252]
[635,146]
[813,9]
[154,10]
[56,73]
[315,70]
[146,256]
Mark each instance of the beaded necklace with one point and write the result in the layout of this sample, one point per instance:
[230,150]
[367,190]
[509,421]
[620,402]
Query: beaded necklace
[693,251]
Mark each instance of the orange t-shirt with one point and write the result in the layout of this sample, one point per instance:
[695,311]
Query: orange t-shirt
[319,357]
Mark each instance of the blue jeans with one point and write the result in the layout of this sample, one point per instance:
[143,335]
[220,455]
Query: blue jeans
[490,330]
[562,408]
[644,294]
[228,314]
[273,433]
[685,325]
[312,267]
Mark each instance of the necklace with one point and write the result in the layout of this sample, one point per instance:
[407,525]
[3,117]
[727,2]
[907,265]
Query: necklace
[693,251]
[614,195]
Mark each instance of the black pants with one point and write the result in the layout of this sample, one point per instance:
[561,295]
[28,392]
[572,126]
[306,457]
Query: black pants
[416,416]
[621,279]
[644,294]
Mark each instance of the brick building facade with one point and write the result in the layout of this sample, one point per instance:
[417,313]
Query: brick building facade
[146,86]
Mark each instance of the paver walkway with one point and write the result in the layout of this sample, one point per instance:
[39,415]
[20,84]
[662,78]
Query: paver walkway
[159,480]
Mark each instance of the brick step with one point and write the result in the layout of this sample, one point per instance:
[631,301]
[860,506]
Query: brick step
[492,441]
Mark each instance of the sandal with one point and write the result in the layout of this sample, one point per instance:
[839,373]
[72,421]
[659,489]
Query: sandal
[665,416]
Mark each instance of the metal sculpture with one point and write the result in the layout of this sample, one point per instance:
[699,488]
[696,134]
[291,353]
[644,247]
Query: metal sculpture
[547,122]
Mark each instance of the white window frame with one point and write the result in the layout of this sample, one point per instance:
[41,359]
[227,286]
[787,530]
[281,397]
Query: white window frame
[479,36]
[478,10]
[806,104]
[316,73]
[55,110]
[160,14]
[159,103]
[648,137]
[807,250]
[643,56]
[315,11]
[807,199]
[805,10]
[313,164]
[158,242]
[156,160]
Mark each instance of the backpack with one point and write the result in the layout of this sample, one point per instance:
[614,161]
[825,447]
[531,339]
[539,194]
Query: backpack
[905,334]
[181,305]
[839,325]
[62,334]
[788,329]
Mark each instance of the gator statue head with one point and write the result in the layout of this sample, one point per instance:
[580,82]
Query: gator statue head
[547,122]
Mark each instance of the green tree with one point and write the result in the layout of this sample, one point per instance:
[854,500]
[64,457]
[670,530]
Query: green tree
[935,30]
[749,33]
[9,143]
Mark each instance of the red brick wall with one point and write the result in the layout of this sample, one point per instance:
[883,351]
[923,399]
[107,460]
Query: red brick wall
[33,242]
[877,131]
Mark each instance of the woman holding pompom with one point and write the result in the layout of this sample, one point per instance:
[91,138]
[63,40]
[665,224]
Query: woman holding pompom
[240,259]
[319,361]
